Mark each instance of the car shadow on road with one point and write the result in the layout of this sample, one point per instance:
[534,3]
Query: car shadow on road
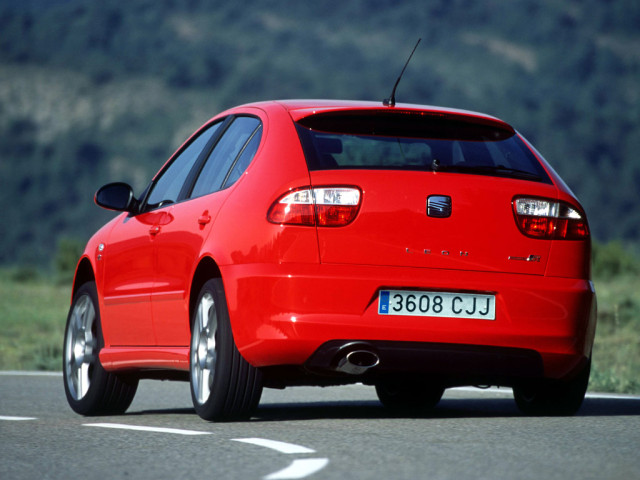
[447,408]
[603,407]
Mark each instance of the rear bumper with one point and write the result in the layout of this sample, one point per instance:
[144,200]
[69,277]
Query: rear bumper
[282,314]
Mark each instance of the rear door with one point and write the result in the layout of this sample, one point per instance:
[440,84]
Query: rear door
[178,247]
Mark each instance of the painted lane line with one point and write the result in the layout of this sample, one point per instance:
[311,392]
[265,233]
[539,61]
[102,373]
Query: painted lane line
[612,396]
[509,391]
[503,390]
[121,426]
[299,469]
[27,373]
[281,447]
[15,419]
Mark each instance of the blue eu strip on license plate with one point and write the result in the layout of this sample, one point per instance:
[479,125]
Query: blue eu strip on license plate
[383,304]
[437,304]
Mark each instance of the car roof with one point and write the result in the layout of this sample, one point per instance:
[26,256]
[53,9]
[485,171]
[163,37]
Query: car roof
[300,108]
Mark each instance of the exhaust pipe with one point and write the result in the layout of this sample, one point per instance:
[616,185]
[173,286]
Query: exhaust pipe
[357,362]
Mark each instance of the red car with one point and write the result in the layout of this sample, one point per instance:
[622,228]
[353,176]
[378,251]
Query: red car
[291,243]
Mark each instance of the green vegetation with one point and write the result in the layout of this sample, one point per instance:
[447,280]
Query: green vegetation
[616,355]
[33,316]
[92,92]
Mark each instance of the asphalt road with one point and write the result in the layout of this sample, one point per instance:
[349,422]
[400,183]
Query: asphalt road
[314,433]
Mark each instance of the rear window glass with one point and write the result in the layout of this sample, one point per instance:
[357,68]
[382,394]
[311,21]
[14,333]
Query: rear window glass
[415,142]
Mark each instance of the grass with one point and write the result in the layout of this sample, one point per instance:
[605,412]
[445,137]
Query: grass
[616,353]
[33,314]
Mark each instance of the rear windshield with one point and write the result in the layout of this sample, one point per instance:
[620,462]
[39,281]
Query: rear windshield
[413,141]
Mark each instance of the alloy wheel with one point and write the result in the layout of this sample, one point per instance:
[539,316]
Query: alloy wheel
[81,347]
[203,348]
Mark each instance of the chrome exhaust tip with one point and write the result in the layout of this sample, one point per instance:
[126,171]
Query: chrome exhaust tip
[357,362]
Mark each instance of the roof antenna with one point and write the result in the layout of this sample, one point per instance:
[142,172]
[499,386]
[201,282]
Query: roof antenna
[391,101]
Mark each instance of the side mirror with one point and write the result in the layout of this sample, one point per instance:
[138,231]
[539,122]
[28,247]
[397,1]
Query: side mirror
[116,196]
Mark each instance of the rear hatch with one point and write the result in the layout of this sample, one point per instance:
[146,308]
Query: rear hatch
[436,189]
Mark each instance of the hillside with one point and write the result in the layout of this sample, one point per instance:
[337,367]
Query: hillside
[92,92]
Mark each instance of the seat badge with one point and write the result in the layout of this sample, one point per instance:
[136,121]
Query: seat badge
[530,258]
[439,206]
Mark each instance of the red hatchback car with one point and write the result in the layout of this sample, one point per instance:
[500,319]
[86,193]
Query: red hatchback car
[287,243]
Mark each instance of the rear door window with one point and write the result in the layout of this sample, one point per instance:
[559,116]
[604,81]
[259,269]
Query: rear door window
[171,181]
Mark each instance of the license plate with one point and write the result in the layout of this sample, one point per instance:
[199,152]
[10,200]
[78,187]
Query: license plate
[437,304]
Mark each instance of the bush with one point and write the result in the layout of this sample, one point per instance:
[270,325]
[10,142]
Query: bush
[67,255]
[25,274]
[616,353]
[611,260]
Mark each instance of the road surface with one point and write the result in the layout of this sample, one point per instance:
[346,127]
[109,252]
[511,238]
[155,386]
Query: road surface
[314,433]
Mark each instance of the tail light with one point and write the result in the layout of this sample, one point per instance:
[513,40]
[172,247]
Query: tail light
[549,219]
[322,206]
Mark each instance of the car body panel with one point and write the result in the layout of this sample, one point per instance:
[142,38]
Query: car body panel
[149,358]
[127,260]
[241,233]
[306,305]
[299,109]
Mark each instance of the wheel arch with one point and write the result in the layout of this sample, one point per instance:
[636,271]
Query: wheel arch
[206,270]
[84,274]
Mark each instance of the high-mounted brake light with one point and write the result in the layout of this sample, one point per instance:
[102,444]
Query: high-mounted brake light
[322,206]
[549,219]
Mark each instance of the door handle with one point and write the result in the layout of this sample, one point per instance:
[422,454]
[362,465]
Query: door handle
[204,218]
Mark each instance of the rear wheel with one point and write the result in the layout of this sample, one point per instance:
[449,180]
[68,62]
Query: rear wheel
[224,386]
[553,397]
[89,388]
[398,395]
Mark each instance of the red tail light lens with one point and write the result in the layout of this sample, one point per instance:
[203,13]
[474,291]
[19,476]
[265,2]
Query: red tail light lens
[322,206]
[295,208]
[549,219]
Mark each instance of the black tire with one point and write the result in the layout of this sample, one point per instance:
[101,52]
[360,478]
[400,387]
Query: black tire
[224,386]
[89,388]
[553,397]
[408,395]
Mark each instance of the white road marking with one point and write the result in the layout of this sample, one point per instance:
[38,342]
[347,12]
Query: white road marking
[612,396]
[281,447]
[509,391]
[121,426]
[20,373]
[503,390]
[299,469]
[16,419]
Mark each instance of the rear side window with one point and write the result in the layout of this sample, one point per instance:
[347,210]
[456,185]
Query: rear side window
[414,141]
[245,157]
[230,156]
